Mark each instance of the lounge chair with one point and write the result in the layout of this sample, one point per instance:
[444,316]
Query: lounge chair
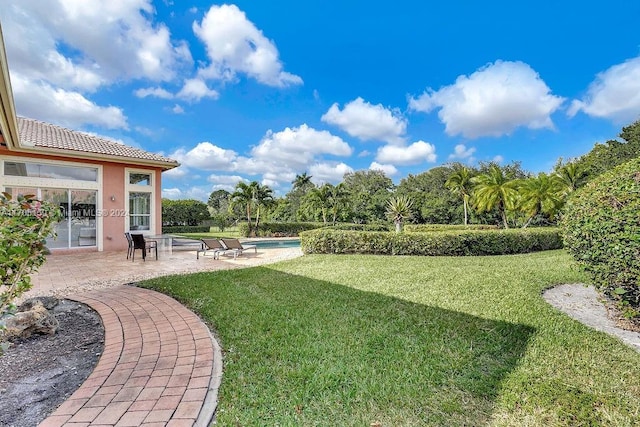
[139,242]
[237,247]
[211,245]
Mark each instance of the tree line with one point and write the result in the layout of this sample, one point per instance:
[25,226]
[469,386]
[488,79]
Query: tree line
[489,193]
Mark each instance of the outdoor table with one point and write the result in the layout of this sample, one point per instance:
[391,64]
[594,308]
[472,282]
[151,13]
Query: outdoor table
[165,242]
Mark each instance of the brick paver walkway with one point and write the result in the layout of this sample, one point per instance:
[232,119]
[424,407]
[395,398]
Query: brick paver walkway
[160,365]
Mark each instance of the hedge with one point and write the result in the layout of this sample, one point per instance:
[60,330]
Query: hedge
[450,243]
[424,228]
[360,227]
[279,229]
[186,229]
[602,231]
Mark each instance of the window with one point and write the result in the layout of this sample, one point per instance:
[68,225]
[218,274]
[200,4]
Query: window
[139,211]
[50,171]
[140,192]
[139,178]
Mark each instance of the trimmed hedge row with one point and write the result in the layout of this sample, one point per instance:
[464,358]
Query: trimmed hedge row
[186,229]
[279,229]
[450,243]
[359,227]
[425,228]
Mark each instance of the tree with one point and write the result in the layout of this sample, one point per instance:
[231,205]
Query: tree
[184,212]
[539,195]
[399,209]
[263,197]
[301,185]
[570,176]
[243,196]
[219,200]
[459,183]
[494,190]
[252,197]
[433,202]
[368,192]
[317,200]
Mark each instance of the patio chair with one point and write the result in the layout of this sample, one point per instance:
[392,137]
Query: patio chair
[130,242]
[139,242]
[211,245]
[237,247]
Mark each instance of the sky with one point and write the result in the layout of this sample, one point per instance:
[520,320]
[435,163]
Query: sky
[267,90]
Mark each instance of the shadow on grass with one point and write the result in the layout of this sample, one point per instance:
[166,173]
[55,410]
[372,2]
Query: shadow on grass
[300,351]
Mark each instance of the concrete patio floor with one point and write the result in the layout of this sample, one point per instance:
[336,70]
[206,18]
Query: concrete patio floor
[67,274]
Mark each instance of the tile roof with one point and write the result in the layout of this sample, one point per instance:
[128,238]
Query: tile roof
[46,135]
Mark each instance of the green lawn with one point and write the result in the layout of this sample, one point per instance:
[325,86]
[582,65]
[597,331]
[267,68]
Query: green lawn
[332,340]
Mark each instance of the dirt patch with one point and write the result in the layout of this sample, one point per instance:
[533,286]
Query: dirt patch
[39,373]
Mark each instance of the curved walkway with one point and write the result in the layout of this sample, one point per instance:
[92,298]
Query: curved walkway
[160,365]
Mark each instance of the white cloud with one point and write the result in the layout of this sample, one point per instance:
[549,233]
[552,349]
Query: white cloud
[418,152]
[225,180]
[206,156]
[329,172]
[234,45]
[461,152]
[66,108]
[179,172]
[498,159]
[368,122]
[172,193]
[493,101]
[196,89]
[296,147]
[389,170]
[614,94]
[177,109]
[106,42]
[156,92]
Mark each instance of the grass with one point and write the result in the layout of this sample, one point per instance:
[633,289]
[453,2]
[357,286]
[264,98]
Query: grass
[352,340]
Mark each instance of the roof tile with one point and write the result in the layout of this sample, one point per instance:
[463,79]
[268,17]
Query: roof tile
[46,135]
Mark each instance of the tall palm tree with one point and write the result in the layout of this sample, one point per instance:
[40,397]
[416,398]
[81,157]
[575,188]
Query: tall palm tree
[399,209]
[539,195]
[460,184]
[244,196]
[494,190]
[302,181]
[318,199]
[262,197]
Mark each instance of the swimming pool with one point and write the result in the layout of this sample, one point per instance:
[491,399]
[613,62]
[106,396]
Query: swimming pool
[275,243]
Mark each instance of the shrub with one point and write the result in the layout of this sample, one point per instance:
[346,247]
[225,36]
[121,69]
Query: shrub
[423,228]
[25,223]
[453,243]
[360,227]
[602,231]
[186,229]
[279,229]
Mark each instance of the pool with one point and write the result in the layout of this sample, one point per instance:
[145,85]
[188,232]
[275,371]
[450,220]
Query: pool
[274,243]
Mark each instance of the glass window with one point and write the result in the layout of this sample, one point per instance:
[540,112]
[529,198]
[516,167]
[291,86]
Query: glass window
[140,178]
[51,171]
[139,211]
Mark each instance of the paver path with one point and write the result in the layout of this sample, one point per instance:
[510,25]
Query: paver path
[160,365]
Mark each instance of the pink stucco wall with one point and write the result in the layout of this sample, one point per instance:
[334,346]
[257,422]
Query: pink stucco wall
[113,212]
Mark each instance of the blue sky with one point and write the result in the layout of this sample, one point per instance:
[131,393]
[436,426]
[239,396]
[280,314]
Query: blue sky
[257,90]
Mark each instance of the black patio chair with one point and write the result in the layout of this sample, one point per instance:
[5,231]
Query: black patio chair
[130,242]
[139,242]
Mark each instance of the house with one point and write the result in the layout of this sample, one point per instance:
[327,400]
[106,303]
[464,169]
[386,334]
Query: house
[103,188]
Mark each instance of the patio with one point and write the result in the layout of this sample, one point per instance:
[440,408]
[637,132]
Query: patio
[67,274]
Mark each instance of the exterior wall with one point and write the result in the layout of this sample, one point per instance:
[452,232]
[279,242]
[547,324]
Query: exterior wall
[112,204]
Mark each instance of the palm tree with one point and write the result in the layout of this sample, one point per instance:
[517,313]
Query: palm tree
[318,199]
[539,195]
[399,209]
[244,196]
[262,197]
[302,181]
[494,190]
[460,184]
[571,176]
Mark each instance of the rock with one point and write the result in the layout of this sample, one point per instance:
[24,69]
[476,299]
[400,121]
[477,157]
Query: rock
[30,319]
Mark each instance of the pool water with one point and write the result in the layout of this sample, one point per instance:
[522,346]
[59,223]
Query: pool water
[275,244]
